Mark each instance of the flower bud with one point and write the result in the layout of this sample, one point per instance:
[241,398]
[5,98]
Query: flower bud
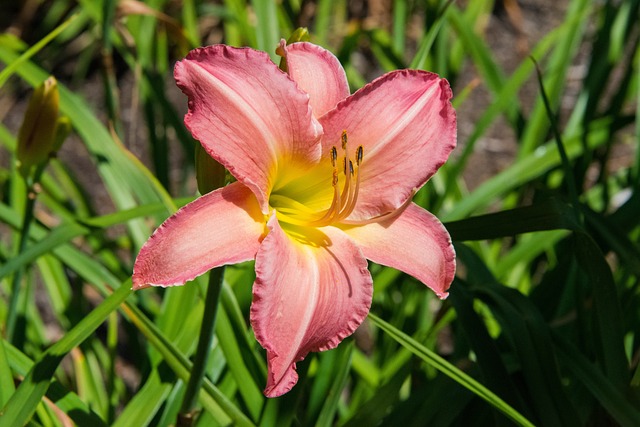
[301,34]
[37,136]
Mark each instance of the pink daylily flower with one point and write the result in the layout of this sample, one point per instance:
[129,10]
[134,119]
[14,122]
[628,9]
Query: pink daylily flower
[324,182]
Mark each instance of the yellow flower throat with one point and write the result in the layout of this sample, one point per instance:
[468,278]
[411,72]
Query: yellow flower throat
[344,198]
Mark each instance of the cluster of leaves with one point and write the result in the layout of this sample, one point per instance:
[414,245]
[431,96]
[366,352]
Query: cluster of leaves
[543,320]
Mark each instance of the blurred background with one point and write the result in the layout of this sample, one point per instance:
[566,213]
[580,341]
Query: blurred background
[541,197]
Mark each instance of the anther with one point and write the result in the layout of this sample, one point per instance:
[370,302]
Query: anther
[345,195]
[359,155]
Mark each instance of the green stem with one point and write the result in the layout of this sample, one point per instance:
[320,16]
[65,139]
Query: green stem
[635,380]
[186,415]
[12,313]
[112,345]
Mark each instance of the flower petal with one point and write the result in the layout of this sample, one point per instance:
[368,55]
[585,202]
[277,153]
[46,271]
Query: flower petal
[221,227]
[407,127]
[306,298]
[318,72]
[415,242]
[248,115]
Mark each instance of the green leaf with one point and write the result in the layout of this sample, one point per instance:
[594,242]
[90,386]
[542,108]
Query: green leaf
[6,376]
[374,409]
[451,371]
[537,123]
[211,398]
[66,232]
[337,382]
[551,214]
[624,412]
[542,160]
[144,405]
[267,29]
[527,333]
[488,357]
[124,179]
[610,333]
[15,64]
[28,395]
[247,386]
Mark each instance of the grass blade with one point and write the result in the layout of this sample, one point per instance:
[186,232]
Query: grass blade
[451,371]
[28,395]
[15,64]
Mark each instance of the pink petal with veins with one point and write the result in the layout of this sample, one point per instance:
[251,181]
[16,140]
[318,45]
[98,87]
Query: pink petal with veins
[221,227]
[306,298]
[247,114]
[319,73]
[415,242]
[407,127]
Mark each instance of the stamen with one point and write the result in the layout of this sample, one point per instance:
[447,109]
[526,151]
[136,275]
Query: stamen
[350,204]
[334,209]
[334,156]
[347,184]
[328,216]
[343,205]
[384,217]
[284,203]
[344,199]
